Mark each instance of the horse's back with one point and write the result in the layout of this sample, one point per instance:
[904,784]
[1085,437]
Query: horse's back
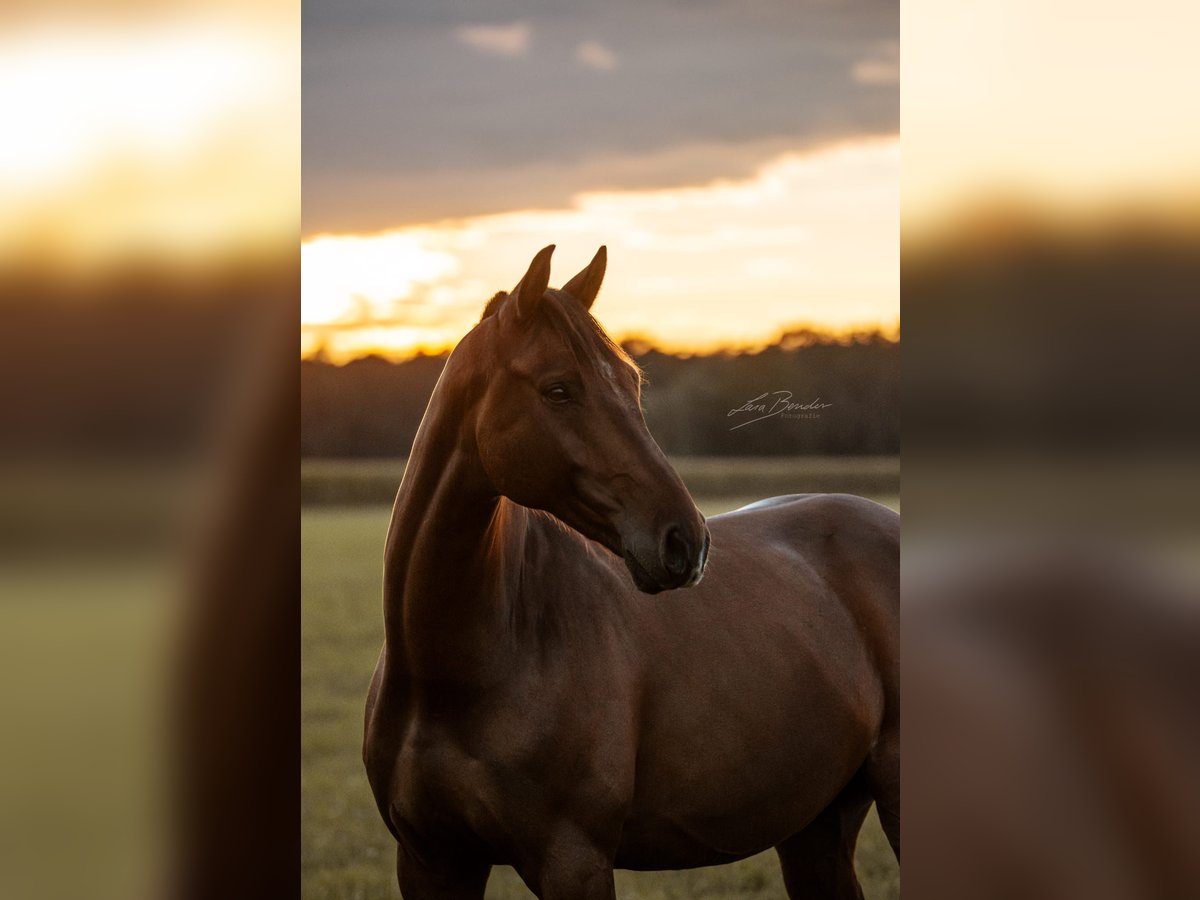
[850,543]
[831,511]
[831,531]
[832,559]
[809,577]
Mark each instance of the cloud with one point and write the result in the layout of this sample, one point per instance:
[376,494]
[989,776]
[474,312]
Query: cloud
[397,130]
[809,238]
[875,72]
[503,40]
[883,68]
[345,278]
[595,55]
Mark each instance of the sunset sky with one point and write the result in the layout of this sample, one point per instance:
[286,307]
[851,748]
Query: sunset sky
[1096,118]
[740,161]
[147,133]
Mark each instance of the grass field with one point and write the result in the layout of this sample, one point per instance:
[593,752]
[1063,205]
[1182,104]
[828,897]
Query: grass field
[346,852]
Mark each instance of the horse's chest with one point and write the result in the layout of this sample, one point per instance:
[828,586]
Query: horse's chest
[450,789]
[504,778]
[438,782]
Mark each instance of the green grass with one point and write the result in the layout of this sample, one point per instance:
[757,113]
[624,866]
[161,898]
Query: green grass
[346,852]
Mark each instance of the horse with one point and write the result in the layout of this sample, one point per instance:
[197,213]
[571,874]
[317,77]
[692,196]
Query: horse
[533,704]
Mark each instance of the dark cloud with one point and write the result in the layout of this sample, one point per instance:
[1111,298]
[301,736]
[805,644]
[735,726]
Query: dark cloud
[405,121]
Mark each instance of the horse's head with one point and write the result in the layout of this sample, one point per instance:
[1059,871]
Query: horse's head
[560,428]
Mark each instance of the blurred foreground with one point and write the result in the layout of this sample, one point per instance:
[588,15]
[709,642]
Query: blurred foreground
[149,625]
[1051,563]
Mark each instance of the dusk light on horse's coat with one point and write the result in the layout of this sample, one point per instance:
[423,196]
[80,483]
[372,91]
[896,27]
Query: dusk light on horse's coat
[546,696]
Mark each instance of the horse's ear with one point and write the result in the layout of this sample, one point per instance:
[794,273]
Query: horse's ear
[532,287]
[586,285]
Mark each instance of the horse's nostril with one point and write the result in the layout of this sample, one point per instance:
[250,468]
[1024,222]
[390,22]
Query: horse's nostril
[675,552]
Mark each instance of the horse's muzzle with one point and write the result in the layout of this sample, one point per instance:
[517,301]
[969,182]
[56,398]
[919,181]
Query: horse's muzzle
[682,557]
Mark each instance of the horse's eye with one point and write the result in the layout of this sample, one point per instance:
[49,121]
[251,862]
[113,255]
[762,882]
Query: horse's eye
[556,393]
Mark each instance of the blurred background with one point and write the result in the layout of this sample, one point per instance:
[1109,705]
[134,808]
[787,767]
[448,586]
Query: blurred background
[149,212]
[1051,273]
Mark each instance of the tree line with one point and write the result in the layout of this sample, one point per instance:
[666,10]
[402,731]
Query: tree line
[808,393]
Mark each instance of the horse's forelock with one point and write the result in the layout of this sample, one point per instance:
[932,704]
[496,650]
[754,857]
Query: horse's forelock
[578,327]
[583,334]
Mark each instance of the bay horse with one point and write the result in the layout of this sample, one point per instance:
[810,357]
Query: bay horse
[533,706]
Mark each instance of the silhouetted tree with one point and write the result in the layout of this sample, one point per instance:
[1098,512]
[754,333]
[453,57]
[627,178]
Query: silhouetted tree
[372,407]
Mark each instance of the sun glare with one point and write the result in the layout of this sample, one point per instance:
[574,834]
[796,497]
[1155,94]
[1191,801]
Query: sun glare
[1117,125]
[173,138]
[358,281]
[810,239]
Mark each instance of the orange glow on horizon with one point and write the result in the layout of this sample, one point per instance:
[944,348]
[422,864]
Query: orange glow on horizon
[394,349]
[810,238]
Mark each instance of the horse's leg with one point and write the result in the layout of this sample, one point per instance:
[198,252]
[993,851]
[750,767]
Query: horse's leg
[441,879]
[883,772]
[572,868]
[818,862]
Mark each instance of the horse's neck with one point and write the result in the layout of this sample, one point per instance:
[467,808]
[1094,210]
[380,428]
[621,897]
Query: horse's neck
[445,594]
